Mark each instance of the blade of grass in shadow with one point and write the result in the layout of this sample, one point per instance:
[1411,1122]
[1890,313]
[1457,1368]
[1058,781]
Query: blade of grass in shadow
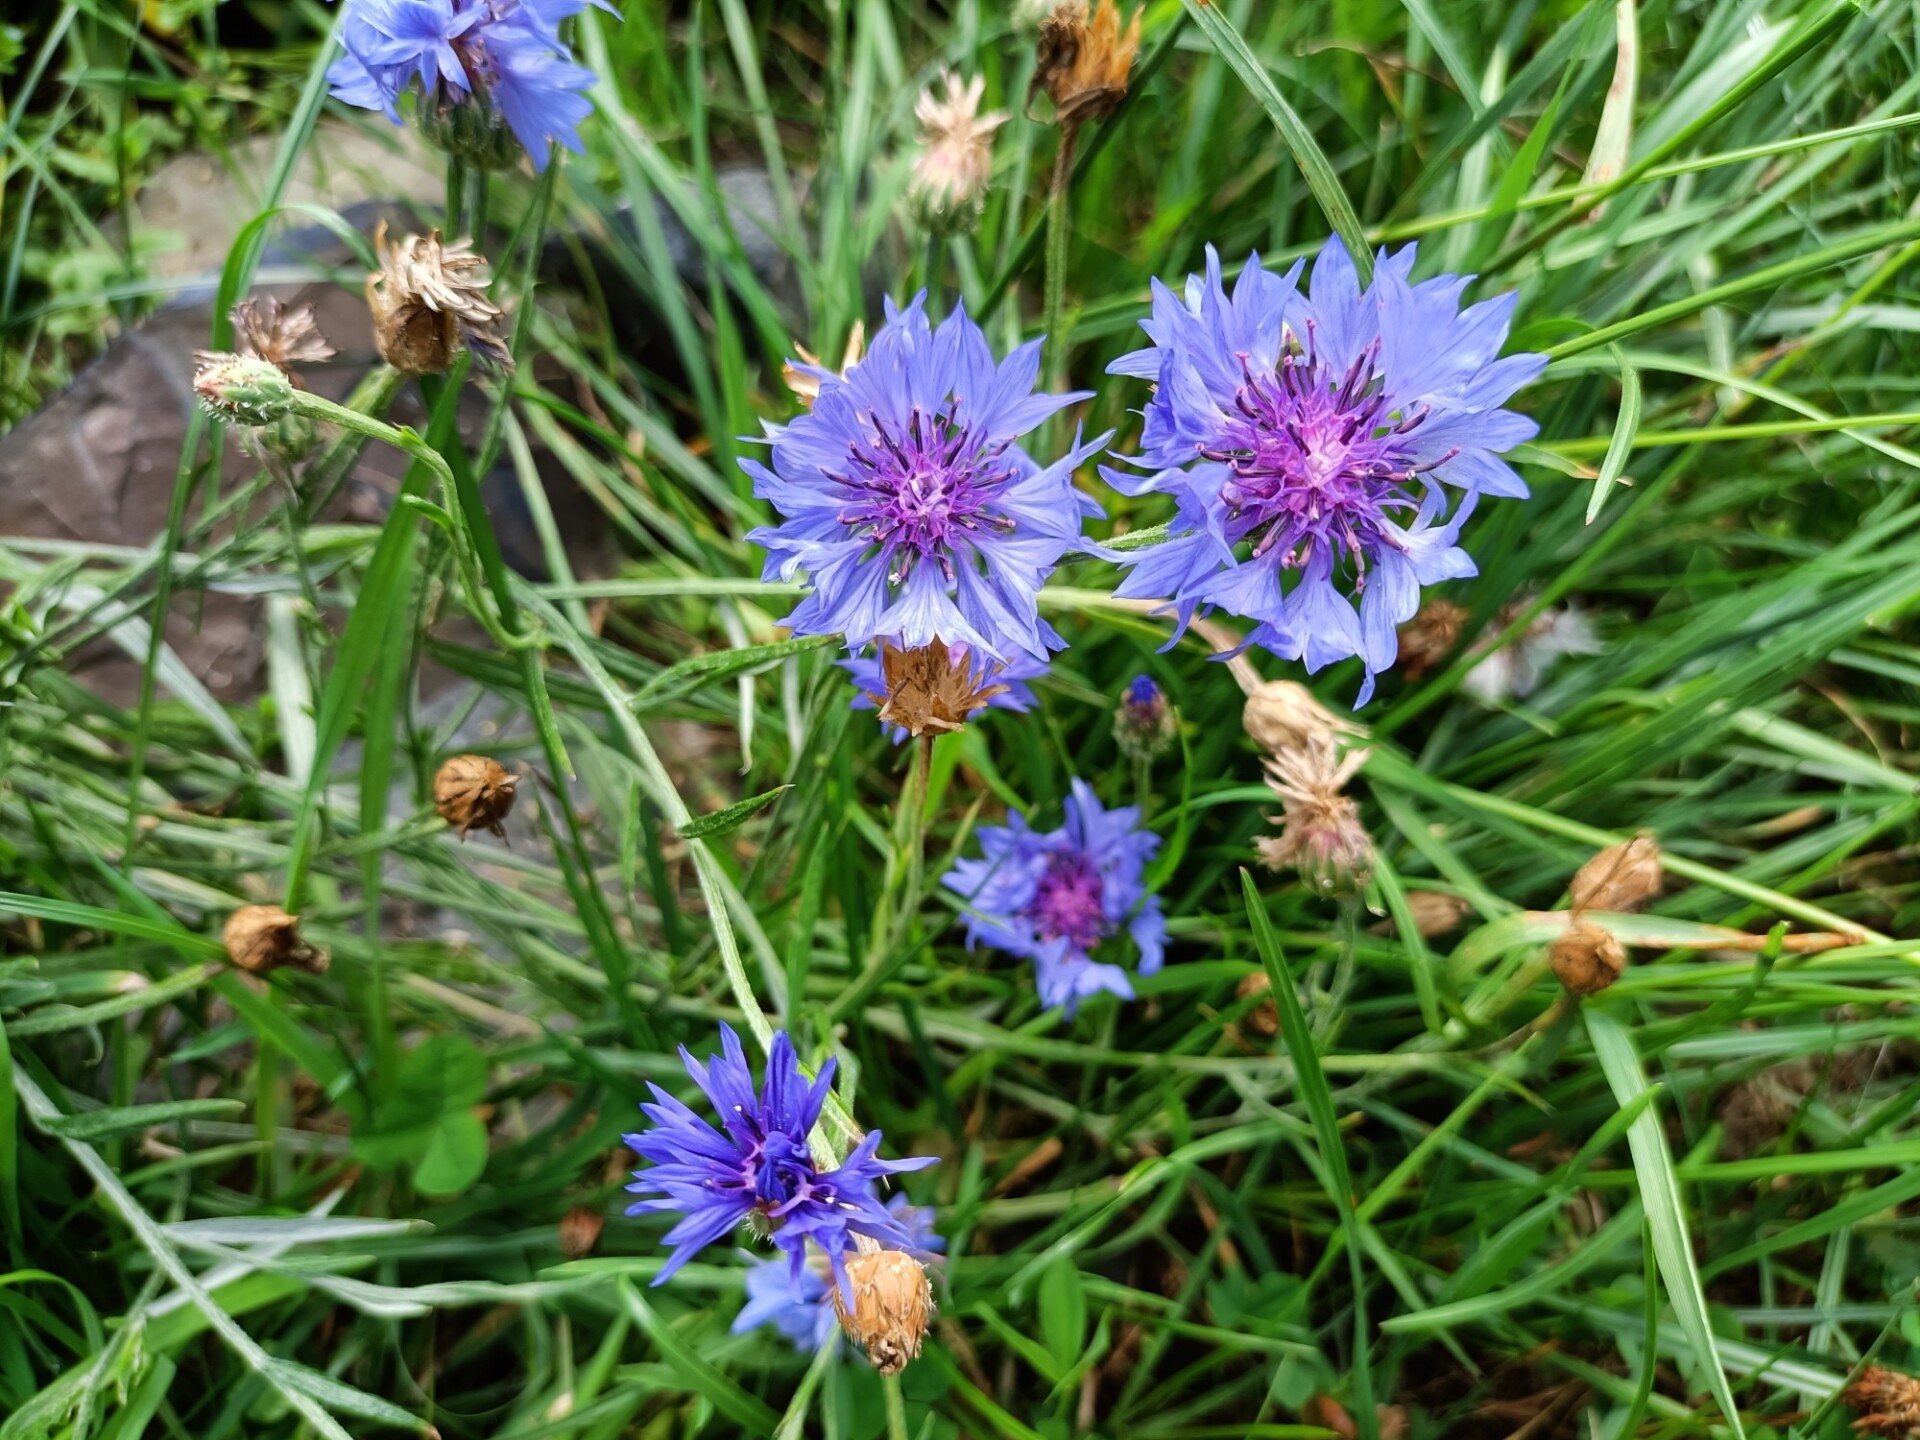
[1311,1083]
[1660,1193]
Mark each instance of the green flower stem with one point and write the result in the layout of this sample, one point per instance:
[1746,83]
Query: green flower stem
[1057,235]
[328,471]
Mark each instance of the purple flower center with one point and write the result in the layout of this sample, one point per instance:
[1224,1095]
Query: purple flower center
[1066,903]
[923,490]
[781,1170]
[1317,460]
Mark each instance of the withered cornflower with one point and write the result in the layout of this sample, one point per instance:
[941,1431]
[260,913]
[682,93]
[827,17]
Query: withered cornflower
[909,503]
[937,694]
[1321,833]
[1055,896]
[758,1167]
[282,335]
[1085,60]
[1330,433]
[428,299]
[955,162]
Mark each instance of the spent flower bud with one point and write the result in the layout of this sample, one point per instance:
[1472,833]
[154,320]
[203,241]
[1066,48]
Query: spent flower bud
[260,938]
[1084,61]
[242,389]
[930,690]
[1588,958]
[950,174]
[1283,715]
[429,299]
[282,335]
[1622,877]
[1891,1402]
[892,1303]
[1321,833]
[1144,725]
[474,792]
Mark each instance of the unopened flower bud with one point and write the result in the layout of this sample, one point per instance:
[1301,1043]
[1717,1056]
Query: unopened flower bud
[474,792]
[241,389]
[892,1303]
[931,690]
[1084,62]
[1283,715]
[1588,958]
[1144,725]
[1622,877]
[260,938]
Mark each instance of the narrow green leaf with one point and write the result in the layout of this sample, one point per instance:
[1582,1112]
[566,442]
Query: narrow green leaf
[131,1119]
[722,663]
[720,822]
[1307,153]
[702,1377]
[1311,1081]
[1660,1192]
[1624,431]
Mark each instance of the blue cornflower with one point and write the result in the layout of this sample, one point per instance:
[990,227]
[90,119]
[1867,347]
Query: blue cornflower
[758,1167]
[924,1243]
[908,502]
[870,679]
[804,1315]
[475,60]
[1053,897]
[1325,430]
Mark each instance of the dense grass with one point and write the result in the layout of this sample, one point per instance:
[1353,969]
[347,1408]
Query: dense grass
[1680,1208]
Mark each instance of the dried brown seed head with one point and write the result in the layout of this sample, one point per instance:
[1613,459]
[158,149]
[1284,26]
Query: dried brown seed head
[1588,958]
[474,792]
[580,1231]
[1084,61]
[260,938]
[1321,833]
[428,299]
[282,335]
[1434,914]
[1264,1018]
[932,690]
[892,1303]
[1891,1401]
[1433,631]
[955,162]
[1622,877]
[804,379]
[1283,715]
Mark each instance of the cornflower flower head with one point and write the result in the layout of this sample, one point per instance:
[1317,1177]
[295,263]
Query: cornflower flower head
[1144,723]
[907,499]
[486,69]
[1321,833]
[1053,897]
[757,1167]
[802,1314]
[988,685]
[1330,432]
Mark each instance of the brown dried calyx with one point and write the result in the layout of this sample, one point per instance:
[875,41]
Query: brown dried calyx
[429,299]
[1282,715]
[1891,1402]
[932,690]
[473,792]
[1621,878]
[1321,833]
[892,1303]
[260,938]
[1426,639]
[1435,913]
[1588,958]
[1084,62]
[282,335]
